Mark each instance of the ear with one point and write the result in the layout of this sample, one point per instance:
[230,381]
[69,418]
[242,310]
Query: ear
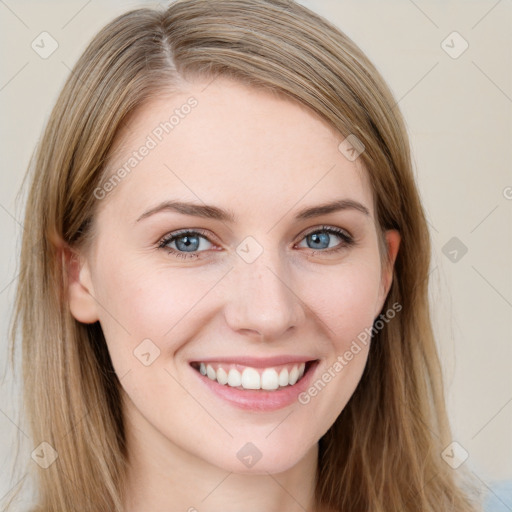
[80,292]
[392,237]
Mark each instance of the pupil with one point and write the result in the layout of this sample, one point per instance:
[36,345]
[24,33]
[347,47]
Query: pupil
[186,241]
[324,237]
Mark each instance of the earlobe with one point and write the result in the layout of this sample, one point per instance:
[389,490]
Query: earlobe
[393,239]
[80,290]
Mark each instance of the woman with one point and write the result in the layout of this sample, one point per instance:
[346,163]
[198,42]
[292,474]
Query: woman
[223,296]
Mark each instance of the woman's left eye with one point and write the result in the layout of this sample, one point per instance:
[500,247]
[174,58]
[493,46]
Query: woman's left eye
[321,239]
[188,242]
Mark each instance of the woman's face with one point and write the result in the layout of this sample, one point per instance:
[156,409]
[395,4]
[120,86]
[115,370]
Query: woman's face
[266,281]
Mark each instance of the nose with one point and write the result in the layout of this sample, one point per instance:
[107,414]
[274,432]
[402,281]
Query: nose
[263,299]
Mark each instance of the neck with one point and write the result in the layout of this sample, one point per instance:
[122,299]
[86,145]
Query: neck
[162,477]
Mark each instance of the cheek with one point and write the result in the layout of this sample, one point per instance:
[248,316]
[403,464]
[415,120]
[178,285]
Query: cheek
[344,304]
[344,298]
[141,302]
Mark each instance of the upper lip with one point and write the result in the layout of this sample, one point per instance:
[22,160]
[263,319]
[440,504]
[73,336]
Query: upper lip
[256,362]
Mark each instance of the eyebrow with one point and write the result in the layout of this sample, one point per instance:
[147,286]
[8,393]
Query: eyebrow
[216,213]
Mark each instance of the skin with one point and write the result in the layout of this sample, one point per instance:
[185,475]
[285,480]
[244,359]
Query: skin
[264,158]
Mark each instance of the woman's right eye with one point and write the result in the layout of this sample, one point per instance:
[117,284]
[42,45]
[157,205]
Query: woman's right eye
[186,242]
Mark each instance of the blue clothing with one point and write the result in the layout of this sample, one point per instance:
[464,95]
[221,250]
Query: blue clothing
[499,498]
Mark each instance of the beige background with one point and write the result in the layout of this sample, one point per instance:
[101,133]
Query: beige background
[459,116]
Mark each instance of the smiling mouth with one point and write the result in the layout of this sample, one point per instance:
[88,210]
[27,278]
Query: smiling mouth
[248,378]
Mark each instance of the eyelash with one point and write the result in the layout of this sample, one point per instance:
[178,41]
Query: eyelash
[347,240]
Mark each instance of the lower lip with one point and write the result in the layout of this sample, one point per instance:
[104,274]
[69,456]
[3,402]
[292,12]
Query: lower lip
[260,400]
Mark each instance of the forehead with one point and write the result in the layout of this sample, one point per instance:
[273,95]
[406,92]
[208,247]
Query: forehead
[227,144]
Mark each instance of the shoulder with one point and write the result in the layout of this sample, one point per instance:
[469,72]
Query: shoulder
[499,497]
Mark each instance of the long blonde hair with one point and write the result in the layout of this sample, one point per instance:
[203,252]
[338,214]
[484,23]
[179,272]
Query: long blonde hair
[383,453]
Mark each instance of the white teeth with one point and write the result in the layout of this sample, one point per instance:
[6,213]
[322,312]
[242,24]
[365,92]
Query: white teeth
[294,375]
[283,377]
[251,378]
[269,379]
[234,378]
[211,372]
[222,376]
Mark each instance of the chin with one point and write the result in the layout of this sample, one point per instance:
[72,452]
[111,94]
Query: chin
[261,457]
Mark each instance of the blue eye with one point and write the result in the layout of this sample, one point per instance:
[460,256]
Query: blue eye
[188,243]
[320,237]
